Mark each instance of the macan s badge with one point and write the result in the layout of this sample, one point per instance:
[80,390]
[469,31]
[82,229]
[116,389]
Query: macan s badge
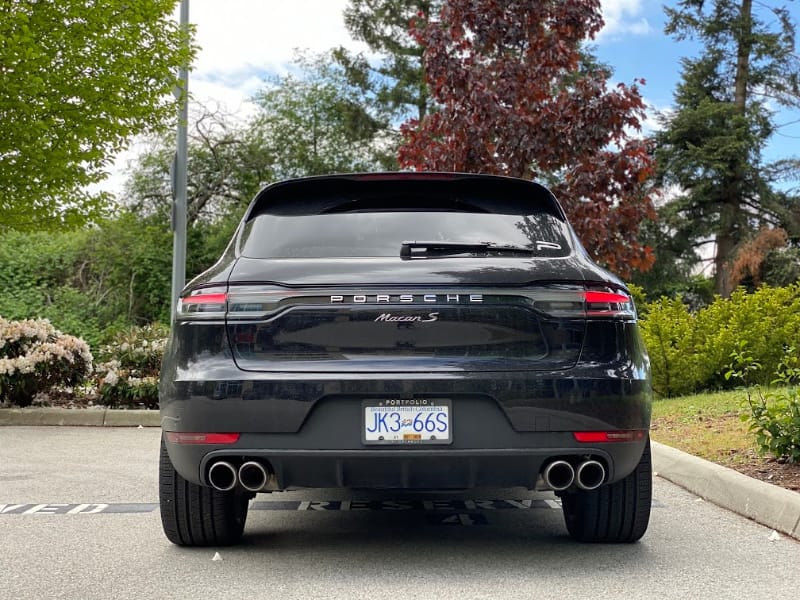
[390,318]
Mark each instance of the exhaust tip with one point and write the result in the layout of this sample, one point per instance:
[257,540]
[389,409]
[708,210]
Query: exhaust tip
[222,476]
[253,476]
[590,475]
[559,475]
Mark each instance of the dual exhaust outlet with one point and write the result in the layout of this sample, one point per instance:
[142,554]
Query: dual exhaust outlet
[251,475]
[560,475]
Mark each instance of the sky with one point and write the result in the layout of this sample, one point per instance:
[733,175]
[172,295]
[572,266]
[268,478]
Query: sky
[242,42]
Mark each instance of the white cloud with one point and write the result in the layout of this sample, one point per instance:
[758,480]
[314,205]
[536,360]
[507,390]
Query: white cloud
[261,35]
[242,41]
[622,17]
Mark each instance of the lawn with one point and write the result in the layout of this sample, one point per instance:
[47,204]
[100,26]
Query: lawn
[710,426]
[706,425]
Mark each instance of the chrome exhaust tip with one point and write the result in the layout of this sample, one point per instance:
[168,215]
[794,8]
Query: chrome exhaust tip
[253,476]
[222,476]
[558,475]
[590,475]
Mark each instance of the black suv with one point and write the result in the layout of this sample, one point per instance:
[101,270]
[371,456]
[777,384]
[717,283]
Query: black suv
[407,331]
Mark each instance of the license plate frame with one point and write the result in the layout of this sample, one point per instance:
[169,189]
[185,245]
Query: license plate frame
[420,409]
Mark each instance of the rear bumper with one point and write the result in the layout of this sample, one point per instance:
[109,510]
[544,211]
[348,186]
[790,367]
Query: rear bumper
[505,424]
[327,451]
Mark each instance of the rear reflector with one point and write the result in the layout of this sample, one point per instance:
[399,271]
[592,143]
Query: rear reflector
[175,437]
[589,437]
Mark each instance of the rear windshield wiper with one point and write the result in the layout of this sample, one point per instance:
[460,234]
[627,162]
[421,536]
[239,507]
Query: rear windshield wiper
[423,249]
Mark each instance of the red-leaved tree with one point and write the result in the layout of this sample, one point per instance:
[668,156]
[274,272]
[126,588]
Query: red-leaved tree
[518,97]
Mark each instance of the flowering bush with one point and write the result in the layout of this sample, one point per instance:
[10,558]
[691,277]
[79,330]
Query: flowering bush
[129,373]
[35,357]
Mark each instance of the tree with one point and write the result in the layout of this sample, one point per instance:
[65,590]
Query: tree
[318,122]
[398,80]
[78,78]
[521,96]
[309,122]
[228,162]
[711,145]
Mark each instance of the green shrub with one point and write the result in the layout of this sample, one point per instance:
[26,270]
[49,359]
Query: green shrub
[128,374]
[96,282]
[35,357]
[669,334]
[775,412]
[768,321]
[691,351]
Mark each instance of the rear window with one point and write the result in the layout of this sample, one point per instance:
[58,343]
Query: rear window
[381,233]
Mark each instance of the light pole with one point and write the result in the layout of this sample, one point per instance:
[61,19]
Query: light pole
[179,176]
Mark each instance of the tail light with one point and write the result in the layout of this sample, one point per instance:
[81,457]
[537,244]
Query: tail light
[584,303]
[203,304]
[612,304]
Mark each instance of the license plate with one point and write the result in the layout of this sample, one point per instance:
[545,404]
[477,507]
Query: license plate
[407,422]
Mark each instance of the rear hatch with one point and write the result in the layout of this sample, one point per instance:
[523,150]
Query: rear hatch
[406,276]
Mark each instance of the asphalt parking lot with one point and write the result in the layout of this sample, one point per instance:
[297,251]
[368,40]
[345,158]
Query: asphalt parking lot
[79,519]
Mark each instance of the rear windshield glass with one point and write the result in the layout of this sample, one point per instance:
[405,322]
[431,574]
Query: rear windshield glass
[382,233]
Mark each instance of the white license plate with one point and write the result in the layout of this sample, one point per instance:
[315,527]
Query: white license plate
[407,422]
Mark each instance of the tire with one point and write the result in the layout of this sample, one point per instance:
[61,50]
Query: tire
[195,515]
[614,513]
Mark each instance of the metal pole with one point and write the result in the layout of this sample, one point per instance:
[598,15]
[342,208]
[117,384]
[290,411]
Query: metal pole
[180,178]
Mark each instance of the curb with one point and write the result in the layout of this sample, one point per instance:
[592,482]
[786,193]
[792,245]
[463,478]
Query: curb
[84,417]
[762,502]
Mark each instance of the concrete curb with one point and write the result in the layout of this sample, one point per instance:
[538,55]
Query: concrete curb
[765,503]
[86,417]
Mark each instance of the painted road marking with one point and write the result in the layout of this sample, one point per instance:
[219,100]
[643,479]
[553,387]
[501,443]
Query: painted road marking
[454,507]
[291,505]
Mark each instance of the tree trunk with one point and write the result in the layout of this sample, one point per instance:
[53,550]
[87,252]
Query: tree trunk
[731,212]
[726,252]
[743,50]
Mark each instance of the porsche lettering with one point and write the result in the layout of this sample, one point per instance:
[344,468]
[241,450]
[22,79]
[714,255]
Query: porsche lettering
[408,299]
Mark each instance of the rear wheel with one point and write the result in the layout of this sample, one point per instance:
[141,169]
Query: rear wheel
[195,515]
[614,513]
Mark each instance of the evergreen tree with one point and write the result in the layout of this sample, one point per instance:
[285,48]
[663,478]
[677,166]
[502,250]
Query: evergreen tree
[711,145]
[397,82]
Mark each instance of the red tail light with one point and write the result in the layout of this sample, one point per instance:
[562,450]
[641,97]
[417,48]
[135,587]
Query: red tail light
[605,298]
[175,437]
[205,299]
[581,304]
[601,303]
[203,305]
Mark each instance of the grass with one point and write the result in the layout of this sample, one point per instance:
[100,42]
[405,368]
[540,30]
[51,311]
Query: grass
[706,425]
